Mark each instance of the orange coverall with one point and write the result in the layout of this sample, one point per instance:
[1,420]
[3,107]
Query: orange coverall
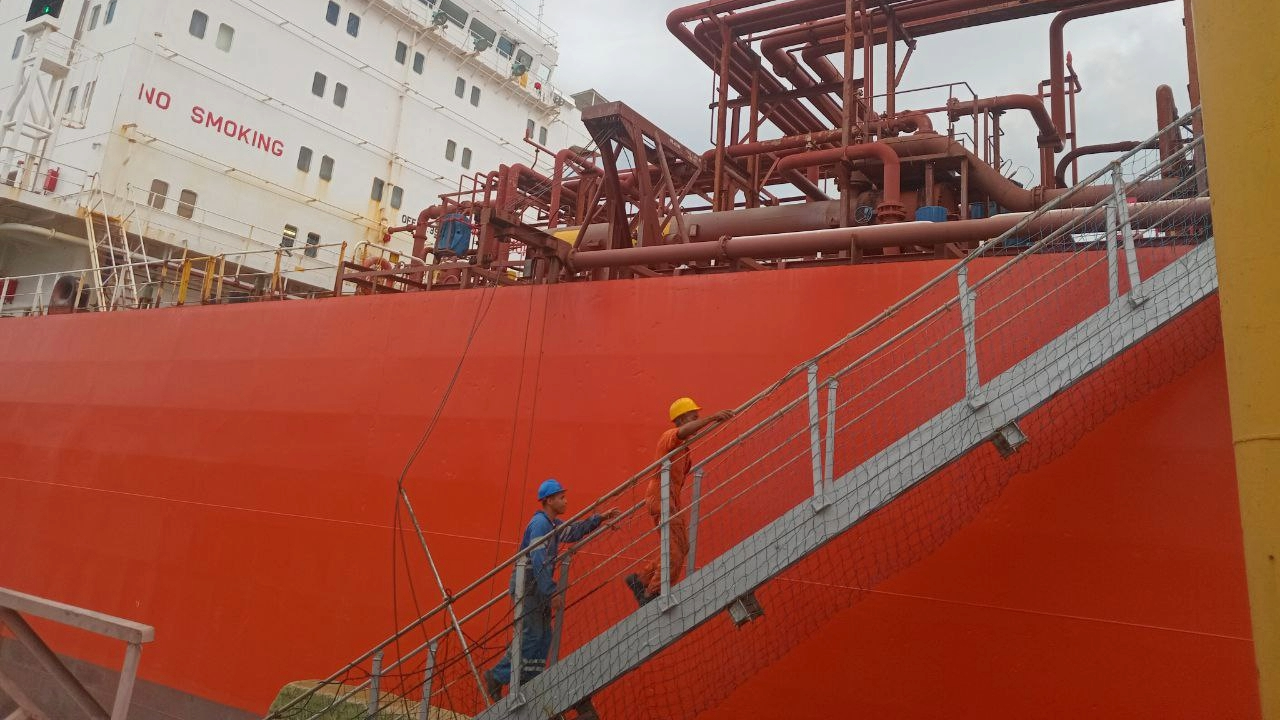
[651,575]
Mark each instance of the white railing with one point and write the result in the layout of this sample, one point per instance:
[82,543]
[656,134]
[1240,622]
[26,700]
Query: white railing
[194,279]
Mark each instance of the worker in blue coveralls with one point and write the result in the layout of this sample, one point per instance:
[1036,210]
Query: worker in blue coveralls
[540,582]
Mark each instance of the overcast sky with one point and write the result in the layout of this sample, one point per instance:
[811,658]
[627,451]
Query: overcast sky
[622,48]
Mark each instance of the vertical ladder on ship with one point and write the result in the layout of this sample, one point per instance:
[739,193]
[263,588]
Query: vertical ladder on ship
[112,257]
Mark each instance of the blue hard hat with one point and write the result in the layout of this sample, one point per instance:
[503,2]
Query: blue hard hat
[548,488]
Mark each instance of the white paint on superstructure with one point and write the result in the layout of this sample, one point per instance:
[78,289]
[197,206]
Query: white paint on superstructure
[215,124]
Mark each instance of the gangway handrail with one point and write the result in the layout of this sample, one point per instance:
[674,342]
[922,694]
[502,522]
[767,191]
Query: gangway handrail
[15,604]
[949,275]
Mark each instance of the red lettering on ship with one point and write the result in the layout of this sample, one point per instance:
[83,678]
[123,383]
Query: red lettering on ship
[237,131]
[151,96]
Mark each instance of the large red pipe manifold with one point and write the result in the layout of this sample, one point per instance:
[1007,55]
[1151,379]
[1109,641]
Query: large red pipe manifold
[775,55]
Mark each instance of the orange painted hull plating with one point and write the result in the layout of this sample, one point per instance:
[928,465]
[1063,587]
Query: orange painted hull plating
[226,474]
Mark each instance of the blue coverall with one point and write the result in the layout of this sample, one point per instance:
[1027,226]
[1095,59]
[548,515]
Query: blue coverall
[540,585]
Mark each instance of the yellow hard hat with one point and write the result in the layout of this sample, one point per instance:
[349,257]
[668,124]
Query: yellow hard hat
[682,406]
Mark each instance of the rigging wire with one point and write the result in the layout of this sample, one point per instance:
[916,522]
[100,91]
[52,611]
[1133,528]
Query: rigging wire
[482,310]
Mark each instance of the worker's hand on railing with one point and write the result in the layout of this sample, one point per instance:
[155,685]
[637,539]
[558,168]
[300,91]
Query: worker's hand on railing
[722,416]
[609,515]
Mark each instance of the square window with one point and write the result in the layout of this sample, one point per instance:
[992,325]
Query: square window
[17,46]
[159,191]
[466,157]
[304,159]
[331,14]
[460,87]
[187,204]
[199,23]
[317,84]
[111,13]
[450,150]
[339,94]
[419,61]
[226,34]
[482,36]
[402,52]
[397,197]
[313,243]
[376,193]
[453,12]
[353,25]
[94,15]
[289,236]
[542,135]
[326,168]
[506,46]
[475,96]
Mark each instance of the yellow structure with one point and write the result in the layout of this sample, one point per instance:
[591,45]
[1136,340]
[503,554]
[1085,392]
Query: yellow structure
[1240,77]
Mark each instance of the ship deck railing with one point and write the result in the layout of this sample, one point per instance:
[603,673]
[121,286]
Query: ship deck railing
[175,282]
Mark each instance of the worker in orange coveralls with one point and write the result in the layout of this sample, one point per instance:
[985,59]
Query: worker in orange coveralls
[646,584]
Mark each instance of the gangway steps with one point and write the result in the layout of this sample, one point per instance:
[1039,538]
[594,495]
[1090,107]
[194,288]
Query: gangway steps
[948,436]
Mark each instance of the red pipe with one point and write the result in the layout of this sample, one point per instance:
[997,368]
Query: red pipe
[1166,116]
[792,118]
[1050,141]
[1006,193]
[1049,136]
[908,121]
[1057,52]
[420,229]
[891,209]
[1083,150]
[789,245]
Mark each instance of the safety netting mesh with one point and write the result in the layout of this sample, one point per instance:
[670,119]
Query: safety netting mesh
[881,437]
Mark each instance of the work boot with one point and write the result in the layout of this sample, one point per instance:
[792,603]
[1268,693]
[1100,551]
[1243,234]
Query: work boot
[492,687]
[638,589]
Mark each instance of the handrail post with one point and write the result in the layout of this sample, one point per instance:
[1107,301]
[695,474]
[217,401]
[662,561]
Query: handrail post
[829,460]
[75,299]
[969,321]
[4,293]
[337,276]
[815,435]
[128,674]
[1126,229]
[220,275]
[665,560]
[275,275]
[424,707]
[1113,267]
[375,683]
[517,640]
[36,300]
[184,282]
[694,506]
[558,609]
[206,289]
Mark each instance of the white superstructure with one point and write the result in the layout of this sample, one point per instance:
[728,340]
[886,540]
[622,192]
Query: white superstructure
[233,126]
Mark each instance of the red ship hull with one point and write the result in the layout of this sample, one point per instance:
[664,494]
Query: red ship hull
[226,474]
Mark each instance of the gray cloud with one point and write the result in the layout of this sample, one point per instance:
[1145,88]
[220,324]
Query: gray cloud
[622,48]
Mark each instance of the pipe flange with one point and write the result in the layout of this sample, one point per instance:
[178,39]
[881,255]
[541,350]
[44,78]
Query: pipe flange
[891,213]
[723,242]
